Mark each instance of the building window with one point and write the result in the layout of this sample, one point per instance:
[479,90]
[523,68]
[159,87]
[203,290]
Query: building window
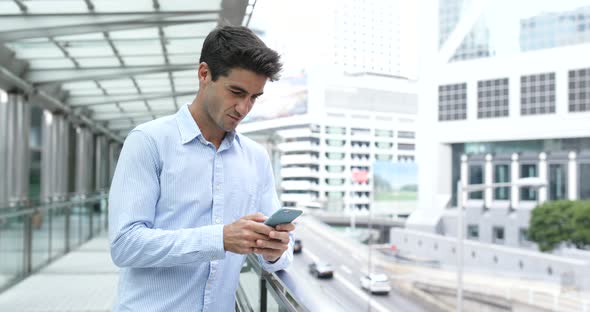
[473,231]
[335,195]
[537,94]
[579,90]
[332,142]
[557,181]
[498,235]
[383,157]
[335,156]
[476,177]
[360,131]
[452,102]
[584,181]
[527,171]
[384,133]
[335,130]
[406,147]
[335,181]
[384,145]
[405,158]
[502,175]
[406,134]
[335,168]
[492,98]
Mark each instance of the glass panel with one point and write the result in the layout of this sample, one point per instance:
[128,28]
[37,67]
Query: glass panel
[271,303]
[250,286]
[527,171]
[584,181]
[58,232]
[476,177]
[557,182]
[40,245]
[11,249]
[502,175]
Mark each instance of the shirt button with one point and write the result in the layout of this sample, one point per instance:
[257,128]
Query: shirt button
[218,187]
[217,220]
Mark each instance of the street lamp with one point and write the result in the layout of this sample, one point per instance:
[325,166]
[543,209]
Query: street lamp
[463,190]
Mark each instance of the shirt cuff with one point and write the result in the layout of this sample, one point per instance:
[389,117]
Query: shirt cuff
[213,239]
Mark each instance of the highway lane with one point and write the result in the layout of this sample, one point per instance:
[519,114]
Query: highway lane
[343,292]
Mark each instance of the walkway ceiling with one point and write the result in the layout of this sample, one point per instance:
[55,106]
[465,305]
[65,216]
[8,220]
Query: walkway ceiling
[109,64]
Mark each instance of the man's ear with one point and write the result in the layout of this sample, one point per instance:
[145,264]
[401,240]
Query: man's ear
[203,72]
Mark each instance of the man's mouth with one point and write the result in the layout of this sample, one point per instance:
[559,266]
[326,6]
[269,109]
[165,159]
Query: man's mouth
[234,117]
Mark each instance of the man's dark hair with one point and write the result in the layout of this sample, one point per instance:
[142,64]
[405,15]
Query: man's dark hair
[230,47]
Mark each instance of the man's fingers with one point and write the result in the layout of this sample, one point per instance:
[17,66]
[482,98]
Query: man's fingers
[281,236]
[271,245]
[287,227]
[257,217]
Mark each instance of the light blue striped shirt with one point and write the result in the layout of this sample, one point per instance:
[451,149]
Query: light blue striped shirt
[171,194]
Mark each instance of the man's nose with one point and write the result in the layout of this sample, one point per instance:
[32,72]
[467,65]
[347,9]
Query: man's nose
[243,106]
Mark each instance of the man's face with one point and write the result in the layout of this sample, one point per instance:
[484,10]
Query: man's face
[229,99]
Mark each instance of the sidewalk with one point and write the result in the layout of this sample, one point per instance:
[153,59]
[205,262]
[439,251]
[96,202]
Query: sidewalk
[83,280]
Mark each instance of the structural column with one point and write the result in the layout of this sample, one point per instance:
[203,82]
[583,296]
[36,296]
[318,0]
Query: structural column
[514,176]
[572,177]
[17,151]
[101,163]
[543,175]
[488,181]
[84,160]
[54,157]
[4,117]
[464,170]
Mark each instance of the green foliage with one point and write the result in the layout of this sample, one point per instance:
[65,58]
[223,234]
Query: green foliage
[560,221]
[581,223]
[551,224]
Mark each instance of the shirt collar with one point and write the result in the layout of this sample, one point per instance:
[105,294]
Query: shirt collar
[189,130]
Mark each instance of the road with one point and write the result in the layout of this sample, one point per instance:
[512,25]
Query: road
[343,292]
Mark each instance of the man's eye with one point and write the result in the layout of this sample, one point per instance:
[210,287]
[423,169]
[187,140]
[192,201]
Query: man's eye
[236,92]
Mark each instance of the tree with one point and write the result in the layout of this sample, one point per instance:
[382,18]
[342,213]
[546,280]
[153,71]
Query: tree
[551,223]
[581,224]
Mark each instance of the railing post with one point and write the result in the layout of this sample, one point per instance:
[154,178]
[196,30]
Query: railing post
[90,220]
[263,299]
[50,230]
[67,228]
[27,244]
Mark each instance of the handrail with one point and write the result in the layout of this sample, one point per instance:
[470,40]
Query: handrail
[30,208]
[280,286]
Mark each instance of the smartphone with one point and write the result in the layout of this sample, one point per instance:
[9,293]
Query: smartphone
[282,216]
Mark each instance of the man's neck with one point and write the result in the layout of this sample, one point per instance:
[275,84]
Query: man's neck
[207,127]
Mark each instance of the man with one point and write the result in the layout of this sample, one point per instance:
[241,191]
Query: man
[190,194]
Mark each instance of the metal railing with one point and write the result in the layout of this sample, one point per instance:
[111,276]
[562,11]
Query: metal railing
[256,285]
[34,235]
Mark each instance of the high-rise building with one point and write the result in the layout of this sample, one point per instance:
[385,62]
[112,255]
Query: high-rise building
[327,154]
[476,43]
[555,29]
[502,118]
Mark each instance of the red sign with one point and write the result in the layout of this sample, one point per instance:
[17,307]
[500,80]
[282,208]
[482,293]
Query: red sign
[360,176]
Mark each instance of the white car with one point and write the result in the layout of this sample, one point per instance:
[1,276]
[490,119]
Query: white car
[376,283]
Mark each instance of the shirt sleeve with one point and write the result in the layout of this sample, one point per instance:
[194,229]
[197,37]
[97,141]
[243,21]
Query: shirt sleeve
[134,193]
[269,203]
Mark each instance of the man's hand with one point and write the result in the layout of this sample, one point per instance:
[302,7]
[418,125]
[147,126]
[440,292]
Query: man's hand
[241,236]
[277,242]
